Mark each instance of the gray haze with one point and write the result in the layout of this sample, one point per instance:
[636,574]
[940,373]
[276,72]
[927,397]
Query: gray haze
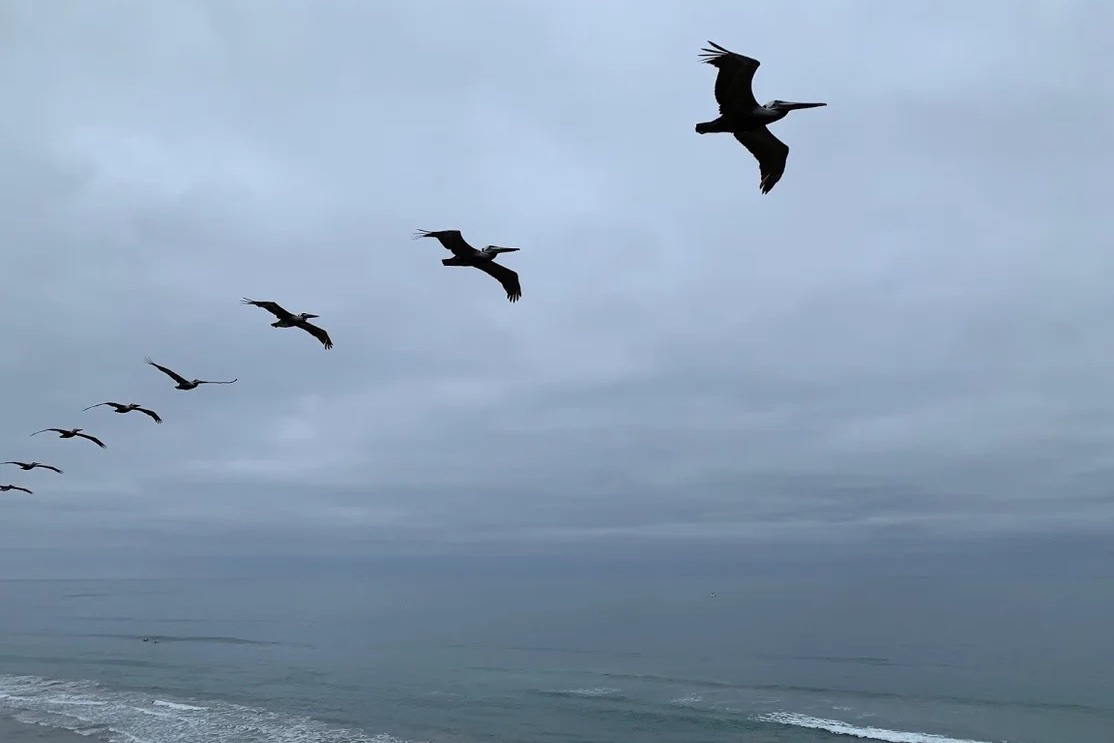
[909,338]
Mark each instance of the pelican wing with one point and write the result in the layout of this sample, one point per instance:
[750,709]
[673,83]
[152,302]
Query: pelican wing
[168,372]
[21,464]
[16,487]
[505,276]
[770,152]
[451,240]
[273,307]
[230,381]
[56,430]
[734,79]
[151,413]
[318,333]
[94,439]
[101,403]
[50,467]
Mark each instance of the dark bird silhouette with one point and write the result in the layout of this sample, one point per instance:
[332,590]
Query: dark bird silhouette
[122,408]
[289,320]
[742,116]
[32,465]
[69,433]
[183,383]
[465,255]
[6,488]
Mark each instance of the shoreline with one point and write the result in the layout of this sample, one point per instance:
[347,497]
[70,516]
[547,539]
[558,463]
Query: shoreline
[14,731]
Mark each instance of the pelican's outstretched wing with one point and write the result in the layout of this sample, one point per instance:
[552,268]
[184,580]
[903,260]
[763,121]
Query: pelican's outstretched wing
[56,430]
[168,372]
[770,152]
[94,439]
[16,487]
[49,467]
[318,333]
[153,415]
[99,404]
[734,79]
[505,276]
[204,381]
[451,240]
[273,307]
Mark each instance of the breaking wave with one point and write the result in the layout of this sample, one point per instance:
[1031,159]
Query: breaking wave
[127,717]
[838,727]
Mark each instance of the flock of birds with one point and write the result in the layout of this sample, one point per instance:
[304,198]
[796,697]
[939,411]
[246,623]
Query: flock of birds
[740,115]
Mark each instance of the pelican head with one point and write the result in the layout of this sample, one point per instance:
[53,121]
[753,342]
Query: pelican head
[791,105]
[496,250]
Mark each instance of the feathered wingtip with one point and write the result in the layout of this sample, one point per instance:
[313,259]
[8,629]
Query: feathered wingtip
[711,55]
[422,233]
[245,300]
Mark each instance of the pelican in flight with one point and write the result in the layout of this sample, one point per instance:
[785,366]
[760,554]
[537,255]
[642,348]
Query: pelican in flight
[741,116]
[32,465]
[122,408]
[69,433]
[6,488]
[289,320]
[183,383]
[465,255]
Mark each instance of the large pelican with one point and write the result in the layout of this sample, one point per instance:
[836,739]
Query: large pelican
[69,433]
[6,488]
[465,255]
[122,408]
[32,465]
[183,383]
[289,320]
[741,116]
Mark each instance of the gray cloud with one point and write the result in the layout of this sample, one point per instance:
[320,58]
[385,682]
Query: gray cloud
[910,335]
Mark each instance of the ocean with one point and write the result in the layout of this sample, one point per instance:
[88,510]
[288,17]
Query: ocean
[459,655]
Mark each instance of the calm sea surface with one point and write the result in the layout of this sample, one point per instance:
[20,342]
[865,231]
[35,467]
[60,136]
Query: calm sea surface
[549,657]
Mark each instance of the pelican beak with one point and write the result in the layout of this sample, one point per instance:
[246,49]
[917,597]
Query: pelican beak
[790,106]
[310,317]
[506,250]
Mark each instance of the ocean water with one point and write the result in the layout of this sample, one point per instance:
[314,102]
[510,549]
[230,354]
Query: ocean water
[462,657]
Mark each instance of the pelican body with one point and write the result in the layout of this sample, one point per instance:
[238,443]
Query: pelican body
[130,407]
[182,382]
[742,116]
[465,255]
[69,433]
[287,319]
[25,466]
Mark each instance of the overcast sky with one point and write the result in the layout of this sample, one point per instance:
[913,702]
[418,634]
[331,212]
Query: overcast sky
[911,335]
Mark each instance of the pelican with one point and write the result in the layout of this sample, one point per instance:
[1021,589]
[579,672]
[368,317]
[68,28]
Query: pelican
[122,408]
[741,116]
[465,255]
[32,465]
[6,488]
[69,433]
[289,320]
[183,383]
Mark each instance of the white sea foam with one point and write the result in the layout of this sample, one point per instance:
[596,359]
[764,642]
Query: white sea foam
[689,700]
[844,728]
[176,705]
[133,717]
[598,691]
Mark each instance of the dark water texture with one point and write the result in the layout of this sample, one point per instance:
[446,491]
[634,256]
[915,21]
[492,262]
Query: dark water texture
[579,657]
